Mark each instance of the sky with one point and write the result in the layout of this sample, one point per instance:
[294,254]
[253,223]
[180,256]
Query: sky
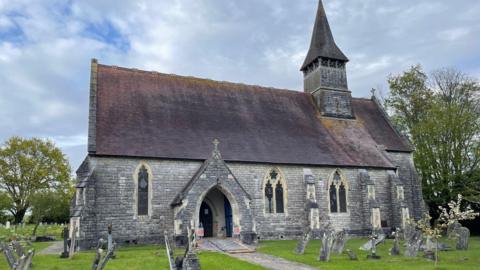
[46,47]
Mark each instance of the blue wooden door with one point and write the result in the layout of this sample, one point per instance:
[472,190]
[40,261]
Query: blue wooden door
[228,217]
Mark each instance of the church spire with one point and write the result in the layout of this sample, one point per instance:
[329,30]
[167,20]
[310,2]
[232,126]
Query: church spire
[322,44]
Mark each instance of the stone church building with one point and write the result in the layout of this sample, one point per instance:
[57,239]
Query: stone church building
[169,153]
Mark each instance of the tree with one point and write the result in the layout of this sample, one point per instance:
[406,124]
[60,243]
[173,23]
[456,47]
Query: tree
[53,206]
[29,166]
[441,116]
[5,204]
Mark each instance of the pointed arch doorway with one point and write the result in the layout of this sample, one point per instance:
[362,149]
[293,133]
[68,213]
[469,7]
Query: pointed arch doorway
[216,215]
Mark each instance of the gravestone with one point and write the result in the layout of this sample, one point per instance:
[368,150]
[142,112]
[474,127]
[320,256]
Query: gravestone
[339,242]
[463,235]
[327,242]
[413,244]
[73,243]
[7,225]
[452,229]
[171,261]
[65,244]
[99,263]
[9,255]
[373,256]
[369,243]
[395,250]
[351,255]
[303,242]
[190,260]
[408,231]
[18,248]
[110,243]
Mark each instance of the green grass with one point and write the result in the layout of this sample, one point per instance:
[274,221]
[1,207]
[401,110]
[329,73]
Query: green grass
[455,260]
[154,257]
[132,258]
[26,231]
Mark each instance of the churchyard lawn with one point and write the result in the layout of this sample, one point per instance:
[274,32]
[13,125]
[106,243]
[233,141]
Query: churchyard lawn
[454,260]
[131,258]
[154,257]
[26,231]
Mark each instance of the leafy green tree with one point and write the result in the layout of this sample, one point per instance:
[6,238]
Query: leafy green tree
[29,166]
[440,114]
[5,204]
[53,206]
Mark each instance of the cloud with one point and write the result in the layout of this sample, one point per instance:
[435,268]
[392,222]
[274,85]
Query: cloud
[46,47]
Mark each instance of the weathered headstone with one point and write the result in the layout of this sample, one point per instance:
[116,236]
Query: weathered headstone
[408,231]
[351,255]
[395,250]
[110,243]
[452,229]
[9,255]
[369,243]
[73,243]
[339,242]
[413,244]
[190,260]
[7,225]
[373,255]
[28,260]
[463,237]
[327,242]
[171,261]
[65,243]
[303,242]
[18,248]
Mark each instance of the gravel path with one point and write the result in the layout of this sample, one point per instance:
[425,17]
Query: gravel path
[271,262]
[55,248]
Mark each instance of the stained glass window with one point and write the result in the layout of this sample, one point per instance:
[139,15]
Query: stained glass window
[142,200]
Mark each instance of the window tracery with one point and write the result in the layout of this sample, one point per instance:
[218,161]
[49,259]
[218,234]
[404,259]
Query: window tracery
[338,194]
[275,192]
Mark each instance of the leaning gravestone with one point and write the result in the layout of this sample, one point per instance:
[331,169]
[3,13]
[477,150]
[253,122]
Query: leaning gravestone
[395,250]
[339,242]
[65,243]
[373,256]
[463,237]
[327,242]
[413,244]
[110,242]
[171,261]
[303,242]
[100,262]
[368,245]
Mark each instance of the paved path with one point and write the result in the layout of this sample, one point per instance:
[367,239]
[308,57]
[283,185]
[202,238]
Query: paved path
[271,262]
[55,248]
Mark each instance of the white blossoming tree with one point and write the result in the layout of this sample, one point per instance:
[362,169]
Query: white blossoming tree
[448,217]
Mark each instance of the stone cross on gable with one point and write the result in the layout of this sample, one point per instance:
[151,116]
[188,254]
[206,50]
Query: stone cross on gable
[373,91]
[216,153]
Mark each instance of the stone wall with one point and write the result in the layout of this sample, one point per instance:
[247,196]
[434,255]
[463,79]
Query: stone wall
[110,198]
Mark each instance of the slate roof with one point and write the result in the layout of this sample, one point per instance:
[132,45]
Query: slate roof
[322,43]
[149,114]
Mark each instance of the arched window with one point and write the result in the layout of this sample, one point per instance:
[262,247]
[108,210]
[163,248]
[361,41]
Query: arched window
[142,200]
[143,190]
[338,193]
[275,192]
[279,197]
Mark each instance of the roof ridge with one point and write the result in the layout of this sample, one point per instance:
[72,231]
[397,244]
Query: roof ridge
[199,79]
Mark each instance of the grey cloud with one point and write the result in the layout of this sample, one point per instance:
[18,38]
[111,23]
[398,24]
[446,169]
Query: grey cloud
[44,90]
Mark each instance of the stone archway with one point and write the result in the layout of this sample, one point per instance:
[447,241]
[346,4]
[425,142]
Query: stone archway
[214,174]
[227,212]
